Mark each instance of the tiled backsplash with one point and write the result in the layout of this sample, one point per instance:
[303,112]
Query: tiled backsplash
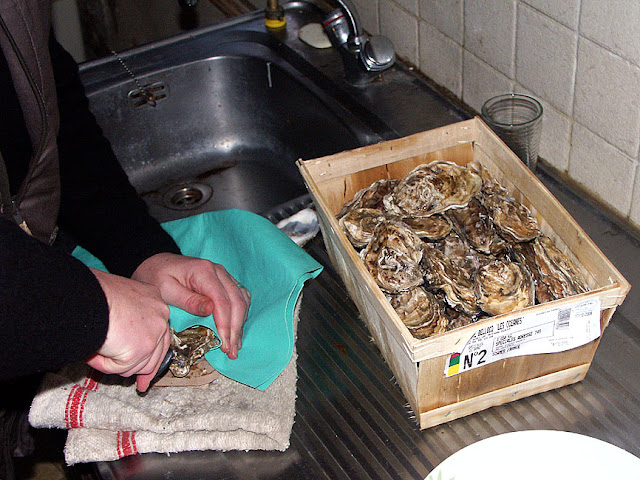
[581,58]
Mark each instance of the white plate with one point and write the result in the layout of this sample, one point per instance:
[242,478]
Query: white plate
[539,455]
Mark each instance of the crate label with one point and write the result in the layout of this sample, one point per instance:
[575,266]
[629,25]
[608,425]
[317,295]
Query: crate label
[550,331]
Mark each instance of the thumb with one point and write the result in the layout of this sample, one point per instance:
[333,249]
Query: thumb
[143,381]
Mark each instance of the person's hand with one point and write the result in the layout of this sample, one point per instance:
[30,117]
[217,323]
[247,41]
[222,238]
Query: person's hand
[138,335]
[201,288]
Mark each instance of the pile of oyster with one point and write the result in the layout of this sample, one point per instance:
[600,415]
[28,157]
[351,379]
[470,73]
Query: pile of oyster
[448,245]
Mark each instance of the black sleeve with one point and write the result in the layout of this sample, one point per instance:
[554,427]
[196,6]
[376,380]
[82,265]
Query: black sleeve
[100,208]
[52,309]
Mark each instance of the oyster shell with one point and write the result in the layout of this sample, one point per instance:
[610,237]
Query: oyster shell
[189,346]
[420,311]
[458,319]
[513,220]
[472,222]
[359,224]
[393,257]
[525,254]
[432,188]
[556,271]
[435,227]
[503,286]
[490,185]
[369,197]
[564,264]
[455,281]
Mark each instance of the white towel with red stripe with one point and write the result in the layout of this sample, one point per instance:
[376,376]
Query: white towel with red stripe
[107,419]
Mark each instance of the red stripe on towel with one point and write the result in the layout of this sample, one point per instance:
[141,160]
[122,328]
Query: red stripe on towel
[74,409]
[92,381]
[126,444]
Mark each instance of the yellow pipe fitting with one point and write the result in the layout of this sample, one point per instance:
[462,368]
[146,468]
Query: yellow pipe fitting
[274,15]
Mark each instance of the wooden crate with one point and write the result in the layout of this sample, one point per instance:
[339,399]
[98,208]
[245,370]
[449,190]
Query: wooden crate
[420,365]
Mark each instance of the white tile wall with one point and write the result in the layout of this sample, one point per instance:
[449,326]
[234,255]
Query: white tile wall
[401,27]
[368,12]
[489,32]
[602,168]
[564,11]
[447,17]
[441,58]
[580,58]
[546,57]
[607,99]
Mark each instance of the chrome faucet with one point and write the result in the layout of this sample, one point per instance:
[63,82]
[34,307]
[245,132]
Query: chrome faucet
[363,55]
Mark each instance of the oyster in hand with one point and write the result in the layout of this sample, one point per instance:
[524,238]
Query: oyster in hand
[503,287]
[393,257]
[189,346]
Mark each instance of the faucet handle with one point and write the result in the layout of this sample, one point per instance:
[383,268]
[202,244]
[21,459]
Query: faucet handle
[377,53]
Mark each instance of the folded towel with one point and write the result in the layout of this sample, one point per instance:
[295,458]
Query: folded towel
[271,266]
[109,420]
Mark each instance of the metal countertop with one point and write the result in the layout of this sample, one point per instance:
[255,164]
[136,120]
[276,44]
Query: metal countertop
[352,421]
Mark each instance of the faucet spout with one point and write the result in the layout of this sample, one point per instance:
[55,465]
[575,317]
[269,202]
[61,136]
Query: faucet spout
[351,13]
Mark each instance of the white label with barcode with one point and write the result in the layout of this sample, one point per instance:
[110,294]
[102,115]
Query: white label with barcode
[550,331]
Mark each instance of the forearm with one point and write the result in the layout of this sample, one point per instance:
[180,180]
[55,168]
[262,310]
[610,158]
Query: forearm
[52,308]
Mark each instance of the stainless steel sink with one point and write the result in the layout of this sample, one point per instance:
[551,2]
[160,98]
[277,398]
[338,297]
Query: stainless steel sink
[230,113]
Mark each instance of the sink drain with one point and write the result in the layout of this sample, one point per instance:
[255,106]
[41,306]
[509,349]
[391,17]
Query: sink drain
[187,196]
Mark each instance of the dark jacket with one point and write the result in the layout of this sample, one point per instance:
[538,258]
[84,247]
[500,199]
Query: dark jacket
[52,309]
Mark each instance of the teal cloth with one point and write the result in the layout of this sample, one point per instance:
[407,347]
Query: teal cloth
[268,263]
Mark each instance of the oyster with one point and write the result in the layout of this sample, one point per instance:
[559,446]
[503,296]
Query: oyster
[503,286]
[393,257]
[456,249]
[189,346]
[359,224]
[435,227]
[556,270]
[525,254]
[432,188]
[455,281]
[420,311]
[458,319]
[473,223]
[513,220]
[490,185]
[369,197]
[563,264]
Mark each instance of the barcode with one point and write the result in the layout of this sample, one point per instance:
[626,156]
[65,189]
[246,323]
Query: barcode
[563,318]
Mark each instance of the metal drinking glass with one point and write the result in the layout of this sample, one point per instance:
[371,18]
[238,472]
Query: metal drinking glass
[517,120]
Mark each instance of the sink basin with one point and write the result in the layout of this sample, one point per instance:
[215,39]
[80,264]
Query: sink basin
[232,111]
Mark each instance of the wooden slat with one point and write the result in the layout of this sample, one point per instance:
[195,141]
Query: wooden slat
[504,395]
